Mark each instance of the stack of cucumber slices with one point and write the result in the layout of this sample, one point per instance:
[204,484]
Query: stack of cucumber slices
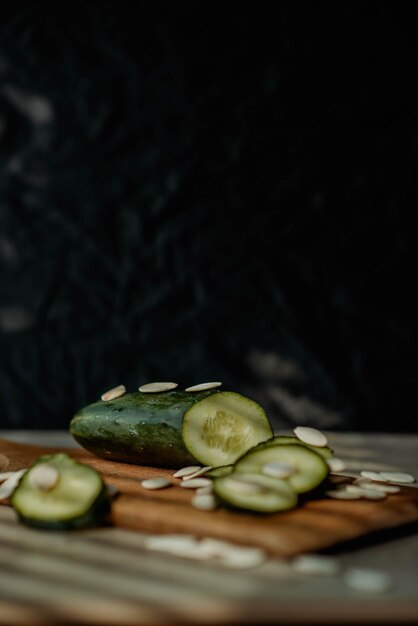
[252,469]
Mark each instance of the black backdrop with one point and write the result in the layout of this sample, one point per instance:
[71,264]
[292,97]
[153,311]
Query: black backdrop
[192,193]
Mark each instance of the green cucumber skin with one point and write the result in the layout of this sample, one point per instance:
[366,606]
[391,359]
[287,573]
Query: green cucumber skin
[326,452]
[94,517]
[138,428]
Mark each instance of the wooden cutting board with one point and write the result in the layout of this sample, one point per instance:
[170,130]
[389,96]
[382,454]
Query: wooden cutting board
[316,525]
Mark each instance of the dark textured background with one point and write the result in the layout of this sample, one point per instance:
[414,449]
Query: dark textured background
[189,195]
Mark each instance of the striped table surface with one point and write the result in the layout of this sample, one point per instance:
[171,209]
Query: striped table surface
[106,576]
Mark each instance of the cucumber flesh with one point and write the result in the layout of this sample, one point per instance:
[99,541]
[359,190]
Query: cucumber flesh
[325,451]
[310,468]
[78,498]
[222,470]
[222,427]
[255,492]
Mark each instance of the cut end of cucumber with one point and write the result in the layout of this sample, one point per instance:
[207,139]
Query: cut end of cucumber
[72,501]
[254,492]
[222,427]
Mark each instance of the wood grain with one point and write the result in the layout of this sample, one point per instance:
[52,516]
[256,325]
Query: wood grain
[318,524]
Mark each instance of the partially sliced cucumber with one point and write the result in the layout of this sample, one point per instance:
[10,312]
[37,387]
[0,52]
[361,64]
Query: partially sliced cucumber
[326,452]
[223,426]
[77,498]
[222,470]
[310,469]
[255,492]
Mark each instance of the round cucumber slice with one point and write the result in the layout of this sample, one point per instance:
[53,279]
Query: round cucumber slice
[255,492]
[326,452]
[222,470]
[310,469]
[77,498]
[223,426]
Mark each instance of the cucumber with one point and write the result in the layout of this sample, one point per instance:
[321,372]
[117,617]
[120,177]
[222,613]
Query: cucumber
[255,492]
[222,427]
[138,427]
[310,468]
[76,497]
[326,452]
[222,470]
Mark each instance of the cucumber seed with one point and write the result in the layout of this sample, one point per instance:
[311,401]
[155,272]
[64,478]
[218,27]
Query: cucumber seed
[157,387]
[278,470]
[365,484]
[199,472]
[398,477]
[44,476]
[112,394]
[155,483]
[311,436]
[336,465]
[10,484]
[195,483]
[203,386]
[4,461]
[204,502]
[372,475]
[363,492]
[342,494]
[367,580]
[316,564]
[204,491]
[243,486]
[186,471]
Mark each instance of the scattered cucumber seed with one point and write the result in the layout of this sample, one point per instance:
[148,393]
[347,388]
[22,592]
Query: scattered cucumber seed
[203,386]
[367,580]
[44,476]
[199,472]
[342,494]
[278,470]
[372,475]
[163,542]
[230,554]
[311,436]
[377,486]
[204,502]
[10,484]
[363,492]
[196,482]
[114,393]
[204,491]
[243,558]
[316,564]
[5,475]
[4,461]
[177,545]
[216,547]
[157,387]
[243,486]
[336,465]
[398,477]
[155,483]
[186,471]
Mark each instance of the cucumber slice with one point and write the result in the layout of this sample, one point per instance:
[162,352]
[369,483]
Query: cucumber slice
[222,470]
[77,498]
[255,492]
[310,468]
[326,452]
[223,426]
